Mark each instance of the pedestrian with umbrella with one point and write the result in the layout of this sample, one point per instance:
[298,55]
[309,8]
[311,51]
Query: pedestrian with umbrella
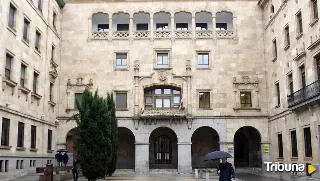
[225,168]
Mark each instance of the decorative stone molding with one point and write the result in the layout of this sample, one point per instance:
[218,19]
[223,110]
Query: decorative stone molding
[189,122]
[53,73]
[188,64]
[7,82]
[141,34]
[183,34]
[164,112]
[162,34]
[100,35]
[120,34]
[136,65]
[162,75]
[204,34]
[246,81]
[53,64]
[79,83]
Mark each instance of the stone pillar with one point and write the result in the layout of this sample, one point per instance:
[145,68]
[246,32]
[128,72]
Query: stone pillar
[136,88]
[229,148]
[193,27]
[110,28]
[184,157]
[151,27]
[172,27]
[214,26]
[142,158]
[131,27]
[265,153]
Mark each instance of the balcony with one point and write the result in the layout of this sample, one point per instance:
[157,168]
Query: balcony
[164,113]
[305,96]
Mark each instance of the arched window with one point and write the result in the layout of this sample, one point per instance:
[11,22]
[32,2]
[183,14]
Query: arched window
[163,150]
[162,98]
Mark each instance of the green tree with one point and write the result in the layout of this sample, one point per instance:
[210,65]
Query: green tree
[93,130]
[112,162]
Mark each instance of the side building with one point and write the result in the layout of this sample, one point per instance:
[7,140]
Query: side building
[30,35]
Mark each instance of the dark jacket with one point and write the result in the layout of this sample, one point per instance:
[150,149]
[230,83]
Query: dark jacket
[75,164]
[65,158]
[226,171]
[59,157]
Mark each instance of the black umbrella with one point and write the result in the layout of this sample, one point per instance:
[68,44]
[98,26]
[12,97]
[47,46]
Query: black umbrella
[216,155]
[62,150]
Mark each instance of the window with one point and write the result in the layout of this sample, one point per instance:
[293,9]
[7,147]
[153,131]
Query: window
[8,66]
[318,66]
[287,35]
[221,26]
[204,100]
[35,82]
[303,76]
[245,100]
[1,165]
[121,100]
[77,97]
[6,166]
[33,136]
[290,81]
[34,163]
[12,13]
[30,163]
[203,60]
[294,146]
[162,26]
[23,75]
[299,23]
[103,27]
[307,142]
[201,26]
[26,25]
[272,9]
[181,26]
[315,9]
[54,16]
[142,27]
[163,150]
[121,60]
[20,141]
[49,147]
[40,5]
[21,164]
[52,52]
[275,52]
[51,92]
[162,97]
[5,132]
[280,146]
[162,60]
[122,27]
[17,164]
[278,94]
[37,43]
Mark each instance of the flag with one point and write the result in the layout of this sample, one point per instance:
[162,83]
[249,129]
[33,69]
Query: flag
[142,103]
[181,100]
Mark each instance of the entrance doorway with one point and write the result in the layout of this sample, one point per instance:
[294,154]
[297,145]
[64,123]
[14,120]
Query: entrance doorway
[126,149]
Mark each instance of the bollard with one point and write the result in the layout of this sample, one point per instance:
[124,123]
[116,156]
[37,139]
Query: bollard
[196,173]
[48,172]
[207,176]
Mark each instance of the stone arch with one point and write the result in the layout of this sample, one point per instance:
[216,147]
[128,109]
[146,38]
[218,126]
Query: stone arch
[163,148]
[224,20]
[126,149]
[247,147]
[204,139]
[100,21]
[71,141]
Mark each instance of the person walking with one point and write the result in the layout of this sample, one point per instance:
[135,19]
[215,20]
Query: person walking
[65,159]
[59,158]
[226,171]
[75,168]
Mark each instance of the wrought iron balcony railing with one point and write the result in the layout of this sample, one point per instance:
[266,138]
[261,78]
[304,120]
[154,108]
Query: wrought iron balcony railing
[304,94]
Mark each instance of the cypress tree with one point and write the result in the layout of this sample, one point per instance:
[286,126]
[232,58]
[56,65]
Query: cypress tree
[114,135]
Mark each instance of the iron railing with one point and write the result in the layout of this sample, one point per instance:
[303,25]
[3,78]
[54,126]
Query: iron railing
[304,94]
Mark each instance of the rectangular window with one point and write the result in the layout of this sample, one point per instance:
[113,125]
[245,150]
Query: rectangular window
[203,60]
[275,51]
[77,97]
[121,60]
[294,146]
[12,13]
[307,142]
[204,100]
[287,35]
[201,26]
[35,82]
[52,52]
[20,141]
[280,146]
[245,100]
[6,166]
[181,26]
[142,27]
[315,9]
[163,103]
[5,132]
[278,94]
[37,43]
[221,26]
[26,25]
[51,92]
[21,164]
[8,66]
[303,76]
[122,27]
[290,81]
[1,165]
[34,163]
[40,5]
[23,75]
[17,164]
[162,60]
[30,165]
[49,147]
[162,27]
[299,23]
[103,27]
[33,136]
[121,100]
[54,16]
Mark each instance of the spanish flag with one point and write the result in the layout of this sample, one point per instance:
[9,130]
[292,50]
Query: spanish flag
[142,103]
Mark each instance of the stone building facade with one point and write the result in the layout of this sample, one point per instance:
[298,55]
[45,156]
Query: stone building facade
[188,77]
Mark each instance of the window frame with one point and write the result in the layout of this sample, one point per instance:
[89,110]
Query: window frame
[290,84]
[12,23]
[182,27]
[121,67]
[49,141]
[299,23]
[151,93]
[25,34]
[5,135]
[160,27]
[278,94]
[202,28]
[245,103]
[155,59]
[40,5]
[143,25]
[209,59]
[275,48]
[314,8]
[294,144]
[123,27]
[33,134]
[287,36]
[302,70]
[75,107]
[101,28]
[219,26]
[210,101]
[6,69]
[51,92]
[307,144]
[280,145]
[35,81]
[20,135]
[37,44]
[121,108]
[23,78]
